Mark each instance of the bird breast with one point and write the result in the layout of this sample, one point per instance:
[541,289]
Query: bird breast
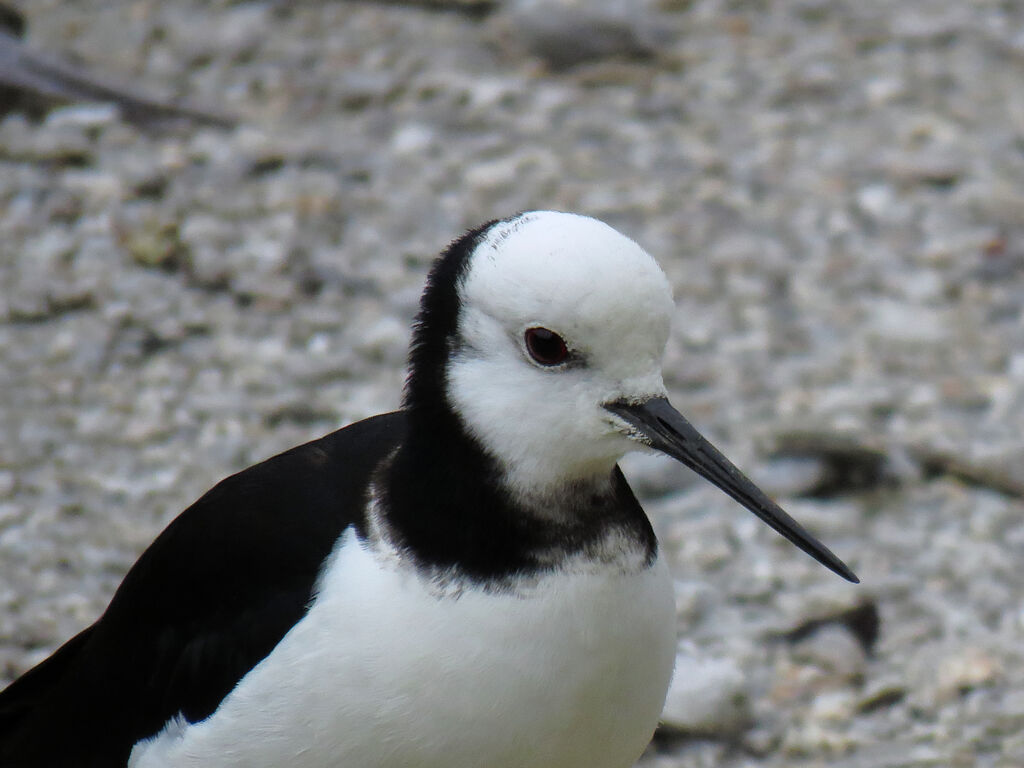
[385,671]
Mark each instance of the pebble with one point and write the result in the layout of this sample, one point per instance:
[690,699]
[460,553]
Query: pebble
[941,675]
[567,34]
[835,651]
[708,697]
[87,116]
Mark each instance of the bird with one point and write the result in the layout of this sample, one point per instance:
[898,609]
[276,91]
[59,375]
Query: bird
[467,581]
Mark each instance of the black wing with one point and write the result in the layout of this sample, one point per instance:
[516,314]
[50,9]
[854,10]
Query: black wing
[202,606]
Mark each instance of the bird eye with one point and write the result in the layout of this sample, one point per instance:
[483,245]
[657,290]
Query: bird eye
[546,347]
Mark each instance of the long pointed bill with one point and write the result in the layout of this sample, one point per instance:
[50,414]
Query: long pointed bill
[662,427]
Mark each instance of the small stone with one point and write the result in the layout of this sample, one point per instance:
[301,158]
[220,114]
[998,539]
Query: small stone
[833,706]
[814,738]
[967,670]
[413,139]
[880,694]
[789,476]
[565,35]
[876,200]
[941,675]
[884,90]
[90,116]
[904,322]
[834,650]
[935,167]
[154,243]
[707,697]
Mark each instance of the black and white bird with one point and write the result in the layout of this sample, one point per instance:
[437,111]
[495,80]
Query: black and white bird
[467,582]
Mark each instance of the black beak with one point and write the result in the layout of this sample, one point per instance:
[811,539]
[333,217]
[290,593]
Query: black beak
[662,427]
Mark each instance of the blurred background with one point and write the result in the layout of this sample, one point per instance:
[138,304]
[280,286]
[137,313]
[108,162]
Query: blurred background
[216,218]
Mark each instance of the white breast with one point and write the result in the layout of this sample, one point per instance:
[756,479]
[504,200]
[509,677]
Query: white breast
[385,672]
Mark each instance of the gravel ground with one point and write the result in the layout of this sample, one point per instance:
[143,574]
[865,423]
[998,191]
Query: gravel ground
[835,189]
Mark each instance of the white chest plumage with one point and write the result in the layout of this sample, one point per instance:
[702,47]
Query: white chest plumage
[385,671]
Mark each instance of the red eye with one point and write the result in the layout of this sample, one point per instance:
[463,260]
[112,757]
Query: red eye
[546,347]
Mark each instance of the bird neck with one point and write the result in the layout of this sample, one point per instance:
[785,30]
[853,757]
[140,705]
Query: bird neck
[445,501]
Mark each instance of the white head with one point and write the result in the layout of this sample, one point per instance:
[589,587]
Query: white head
[542,337]
[599,292]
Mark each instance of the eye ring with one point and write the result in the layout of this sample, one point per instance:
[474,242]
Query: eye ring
[546,347]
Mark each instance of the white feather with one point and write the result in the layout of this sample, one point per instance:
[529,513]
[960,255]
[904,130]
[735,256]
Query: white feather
[606,297]
[568,671]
